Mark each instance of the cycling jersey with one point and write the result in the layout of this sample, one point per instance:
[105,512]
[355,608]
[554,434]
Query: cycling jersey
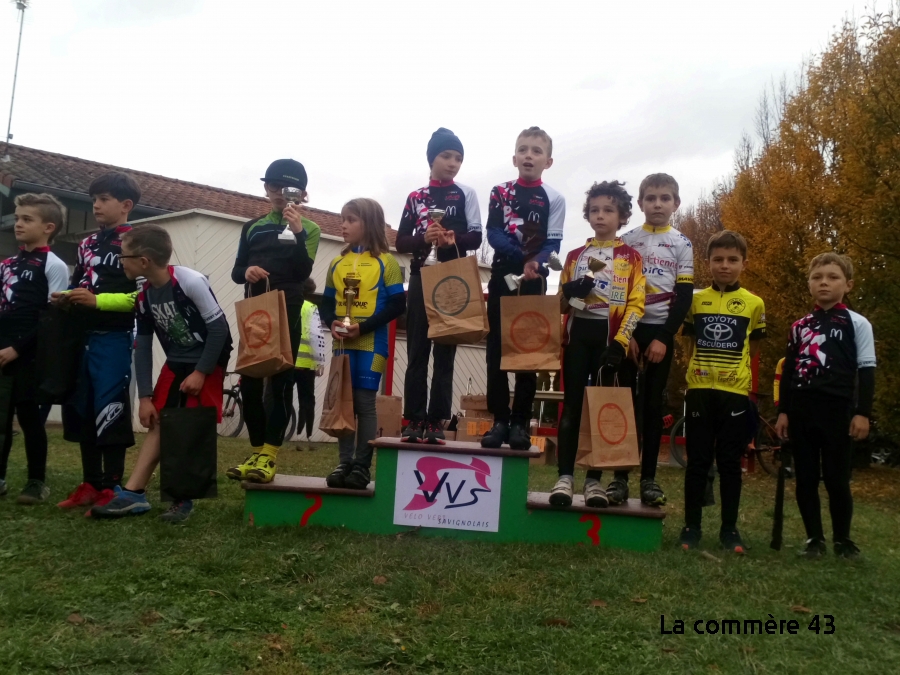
[668,260]
[825,350]
[461,215]
[98,269]
[380,279]
[525,223]
[618,288]
[723,323]
[28,278]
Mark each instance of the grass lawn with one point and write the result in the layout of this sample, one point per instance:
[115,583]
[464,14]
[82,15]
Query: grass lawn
[217,596]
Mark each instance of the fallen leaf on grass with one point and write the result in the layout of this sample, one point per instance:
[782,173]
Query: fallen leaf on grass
[150,618]
[709,556]
[379,581]
[800,609]
[75,619]
[557,622]
[748,650]
[639,601]
[669,650]
[598,603]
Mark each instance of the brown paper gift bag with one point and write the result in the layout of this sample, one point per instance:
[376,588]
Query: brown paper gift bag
[454,302]
[338,418]
[607,438]
[265,337]
[529,332]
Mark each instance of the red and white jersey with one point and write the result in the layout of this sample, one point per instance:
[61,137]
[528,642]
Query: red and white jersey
[668,260]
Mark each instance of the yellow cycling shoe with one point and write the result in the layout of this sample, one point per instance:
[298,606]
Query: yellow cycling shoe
[263,471]
[239,472]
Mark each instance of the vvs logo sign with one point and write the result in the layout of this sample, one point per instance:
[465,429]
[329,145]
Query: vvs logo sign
[447,490]
[432,474]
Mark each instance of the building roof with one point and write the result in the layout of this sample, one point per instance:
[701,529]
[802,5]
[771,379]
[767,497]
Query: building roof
[73,174]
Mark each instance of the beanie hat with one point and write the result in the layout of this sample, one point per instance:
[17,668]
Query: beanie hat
[442,139]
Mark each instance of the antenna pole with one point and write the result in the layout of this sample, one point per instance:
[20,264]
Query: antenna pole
[21,5]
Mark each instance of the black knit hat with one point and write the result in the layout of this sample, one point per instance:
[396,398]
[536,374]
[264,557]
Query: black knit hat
[286,172]
[442,139]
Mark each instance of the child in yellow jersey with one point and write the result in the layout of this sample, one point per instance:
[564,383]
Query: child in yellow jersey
[602,307]
[379,300]
[725,323]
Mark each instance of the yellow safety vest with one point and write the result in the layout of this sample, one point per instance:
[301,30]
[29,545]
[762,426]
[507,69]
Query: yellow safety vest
[305,356]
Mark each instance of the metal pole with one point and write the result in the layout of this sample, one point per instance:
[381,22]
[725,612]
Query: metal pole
[12,100]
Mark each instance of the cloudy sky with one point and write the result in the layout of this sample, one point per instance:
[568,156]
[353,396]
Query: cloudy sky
[212,90]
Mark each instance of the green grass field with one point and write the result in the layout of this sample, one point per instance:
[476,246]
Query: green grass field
[217,596]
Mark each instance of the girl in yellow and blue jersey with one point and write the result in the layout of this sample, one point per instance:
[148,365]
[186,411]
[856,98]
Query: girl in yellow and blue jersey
[379,300]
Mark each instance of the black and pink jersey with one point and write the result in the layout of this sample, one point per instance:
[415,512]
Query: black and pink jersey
[28,279]
[461,214]
[525,223]
[98,269]
[826,349]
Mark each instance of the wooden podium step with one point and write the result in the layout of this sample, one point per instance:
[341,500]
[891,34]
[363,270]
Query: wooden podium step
[632,509]
[285,483]
[455,447]
[458,490]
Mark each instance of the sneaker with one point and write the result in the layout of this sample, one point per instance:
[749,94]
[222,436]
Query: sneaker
[104,497]
[519,439]
[594,494]
[617,491]
[731,541]
[84,495]
[358,479]
[561,494]
[434,433]
[689,538]
[125,503]
[3,488]
[262,471]
[814,548]
[846,549]
[179,512]
[497,436]
[413,432]
[336,478]
[652,494]
[34,492]
[239,472]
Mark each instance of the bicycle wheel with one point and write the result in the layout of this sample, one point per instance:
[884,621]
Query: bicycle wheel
[767,447]
[232,415]
[678,450]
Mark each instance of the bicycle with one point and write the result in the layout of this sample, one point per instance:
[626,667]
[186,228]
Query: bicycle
[233,411]
[765,446]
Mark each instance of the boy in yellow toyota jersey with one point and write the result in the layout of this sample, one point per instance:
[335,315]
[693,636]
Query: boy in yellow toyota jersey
[725,323]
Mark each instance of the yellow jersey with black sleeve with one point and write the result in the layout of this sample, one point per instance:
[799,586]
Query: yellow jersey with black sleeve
[722,324]
[379,280]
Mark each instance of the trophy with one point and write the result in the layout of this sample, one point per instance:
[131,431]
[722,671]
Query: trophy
[293,196]
[351,290]
[594,265]
[435,215]
[513,281]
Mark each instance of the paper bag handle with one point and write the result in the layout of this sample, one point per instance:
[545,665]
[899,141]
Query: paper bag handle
[250,288]
[543,286]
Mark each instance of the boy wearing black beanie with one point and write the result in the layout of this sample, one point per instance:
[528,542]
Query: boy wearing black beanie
[458,232]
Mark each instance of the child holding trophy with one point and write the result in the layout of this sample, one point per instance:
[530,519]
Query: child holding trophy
[441,220]
[363,294]
[601,290]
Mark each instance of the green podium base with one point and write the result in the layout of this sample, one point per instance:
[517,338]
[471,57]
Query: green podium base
[523,516]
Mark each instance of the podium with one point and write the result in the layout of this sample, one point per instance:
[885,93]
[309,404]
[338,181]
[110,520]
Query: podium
[459,491]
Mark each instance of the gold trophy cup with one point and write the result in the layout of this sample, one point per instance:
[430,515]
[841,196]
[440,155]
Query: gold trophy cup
[293,196]
[351,291]
[594,265]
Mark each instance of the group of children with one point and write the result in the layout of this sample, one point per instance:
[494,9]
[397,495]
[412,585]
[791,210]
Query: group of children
[624,299]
